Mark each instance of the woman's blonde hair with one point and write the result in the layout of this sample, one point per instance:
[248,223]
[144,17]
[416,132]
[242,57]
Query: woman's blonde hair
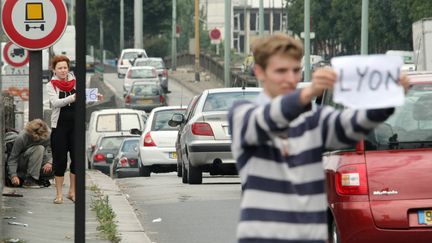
[266,47]
[37,129]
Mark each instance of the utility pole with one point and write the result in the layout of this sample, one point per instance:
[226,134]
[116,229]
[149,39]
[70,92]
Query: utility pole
[364,27]
[197,42]
[138,24]
[121,25]
[227,44]
[174,38]
[101,40]
[71,12]
[261,17]
[307,41]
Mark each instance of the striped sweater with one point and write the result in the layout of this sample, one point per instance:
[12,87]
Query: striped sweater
[278,148]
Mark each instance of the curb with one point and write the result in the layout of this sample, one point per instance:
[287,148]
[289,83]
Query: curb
[129,227]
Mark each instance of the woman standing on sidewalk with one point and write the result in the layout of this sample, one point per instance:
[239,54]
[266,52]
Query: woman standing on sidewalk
[61,92]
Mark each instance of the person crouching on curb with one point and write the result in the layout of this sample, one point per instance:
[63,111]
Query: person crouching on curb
[278,141]
[29,163]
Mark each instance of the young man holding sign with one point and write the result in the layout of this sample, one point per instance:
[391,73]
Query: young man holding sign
[278,141]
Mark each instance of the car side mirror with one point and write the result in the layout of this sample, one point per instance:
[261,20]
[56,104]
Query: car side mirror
[135,131]
[176,120]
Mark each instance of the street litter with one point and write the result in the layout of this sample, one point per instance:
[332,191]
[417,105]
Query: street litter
[18,224]
[9,217]
[157,220]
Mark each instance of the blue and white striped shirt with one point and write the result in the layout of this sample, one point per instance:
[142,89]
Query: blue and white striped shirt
[278,148]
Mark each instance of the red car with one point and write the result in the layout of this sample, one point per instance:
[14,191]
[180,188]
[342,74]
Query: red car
[381,190]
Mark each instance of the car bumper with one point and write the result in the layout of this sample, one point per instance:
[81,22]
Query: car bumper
[356,225]
[146,108]
[158,156]
[206,153]
[127,172]
[122,70]
[102,167]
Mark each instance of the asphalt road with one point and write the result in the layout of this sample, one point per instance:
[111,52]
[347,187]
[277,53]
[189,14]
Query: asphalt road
[182,213]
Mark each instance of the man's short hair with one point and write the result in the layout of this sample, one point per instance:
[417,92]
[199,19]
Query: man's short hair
[266,47]
[37,129]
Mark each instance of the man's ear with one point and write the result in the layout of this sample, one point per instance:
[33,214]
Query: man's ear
[259,72]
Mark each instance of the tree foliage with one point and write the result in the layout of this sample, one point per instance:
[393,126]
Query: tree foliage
[337,24]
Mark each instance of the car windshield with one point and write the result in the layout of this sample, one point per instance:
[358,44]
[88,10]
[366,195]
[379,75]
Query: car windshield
[410,125]
[131,55]
[161,118]
[111,143]
[142,73]
[130,146]
[145,90]
[224,101]
[152,63]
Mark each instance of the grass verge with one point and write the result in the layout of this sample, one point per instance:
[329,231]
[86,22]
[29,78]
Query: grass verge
[105,215]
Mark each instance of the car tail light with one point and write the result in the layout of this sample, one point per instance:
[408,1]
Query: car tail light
[202,128]
[123,162]
[128,99]
[161,99]
[98,157]
[165,73]
[352,180]
[148,140]
[132,161]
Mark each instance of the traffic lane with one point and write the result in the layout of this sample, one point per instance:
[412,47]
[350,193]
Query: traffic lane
[178,96]
[189,213]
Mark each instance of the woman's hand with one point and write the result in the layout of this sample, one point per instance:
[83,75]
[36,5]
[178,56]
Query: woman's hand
[100,97]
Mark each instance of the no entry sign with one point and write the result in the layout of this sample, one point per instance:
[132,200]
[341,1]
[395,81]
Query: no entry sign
[34,25]
[15,55]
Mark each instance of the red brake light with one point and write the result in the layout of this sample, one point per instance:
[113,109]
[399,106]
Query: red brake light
[132,161]
[128,99]
[98,157]
[352,180]
[123,162]
[161,99]
[202,128]
[148,140]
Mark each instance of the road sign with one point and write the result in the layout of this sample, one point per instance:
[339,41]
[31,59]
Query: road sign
[15,56]
[34,25]
[215,34]
[311,35]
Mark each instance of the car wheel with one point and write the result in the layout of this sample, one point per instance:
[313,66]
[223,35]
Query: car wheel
[179,168]
[194,175]
[119,75]
[334,235]
[184,173]
[144,171]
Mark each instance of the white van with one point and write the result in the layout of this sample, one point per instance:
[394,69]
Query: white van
[113,122]
[126,57]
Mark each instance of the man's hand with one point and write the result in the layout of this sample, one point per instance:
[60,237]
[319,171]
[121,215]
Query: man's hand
[47,168]
[404,82]
[15,181]
[322,79]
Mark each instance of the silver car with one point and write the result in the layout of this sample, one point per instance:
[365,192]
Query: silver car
[204,139]
[145,74]
[160,67]
[145,96]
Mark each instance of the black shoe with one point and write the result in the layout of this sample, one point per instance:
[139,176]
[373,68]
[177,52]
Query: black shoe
[29,182]
[44,183]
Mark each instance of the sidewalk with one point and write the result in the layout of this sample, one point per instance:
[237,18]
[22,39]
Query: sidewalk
[185,76]
[47,222]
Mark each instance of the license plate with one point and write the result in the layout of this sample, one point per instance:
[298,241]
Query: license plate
[145,102]
[425,217]
[173,155]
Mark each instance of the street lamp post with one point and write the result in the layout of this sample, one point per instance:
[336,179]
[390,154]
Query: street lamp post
[227,44]
[173,37]
[197,42]
[364,27]
[307,40]
[261,17]
[121,25]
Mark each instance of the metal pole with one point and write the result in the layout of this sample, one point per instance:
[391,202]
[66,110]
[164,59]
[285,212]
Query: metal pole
[35,86]
[71,12]
[197,42]
[174,38]
[121,25]
[227,44]
[80,111]
[138,24]
[287,17]
[364,27]
[101,40]
[261,17]
[307,40]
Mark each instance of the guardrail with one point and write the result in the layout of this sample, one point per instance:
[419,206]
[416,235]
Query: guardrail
[215,66]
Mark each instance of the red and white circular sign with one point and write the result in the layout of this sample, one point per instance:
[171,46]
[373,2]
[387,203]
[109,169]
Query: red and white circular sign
[215,34]
[15,56]
[34,25]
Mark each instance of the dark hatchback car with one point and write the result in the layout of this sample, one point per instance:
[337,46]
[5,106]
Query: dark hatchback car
[145,96]
[379,191]
[106,148]
[126,162]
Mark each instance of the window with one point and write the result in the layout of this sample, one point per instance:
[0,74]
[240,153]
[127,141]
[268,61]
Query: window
[142,73]
[276,21]
[253,21]
[130,146]
[145,89]
[129,121]
[110,143]
[266,22]
[224,101]
[242,21]
[152,63]
[106,123]
[161,118]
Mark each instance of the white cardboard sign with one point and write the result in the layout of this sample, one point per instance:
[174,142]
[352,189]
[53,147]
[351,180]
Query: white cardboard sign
[368,82]
[91,95]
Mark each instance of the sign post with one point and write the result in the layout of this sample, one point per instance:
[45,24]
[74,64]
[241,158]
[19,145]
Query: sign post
[34,26]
